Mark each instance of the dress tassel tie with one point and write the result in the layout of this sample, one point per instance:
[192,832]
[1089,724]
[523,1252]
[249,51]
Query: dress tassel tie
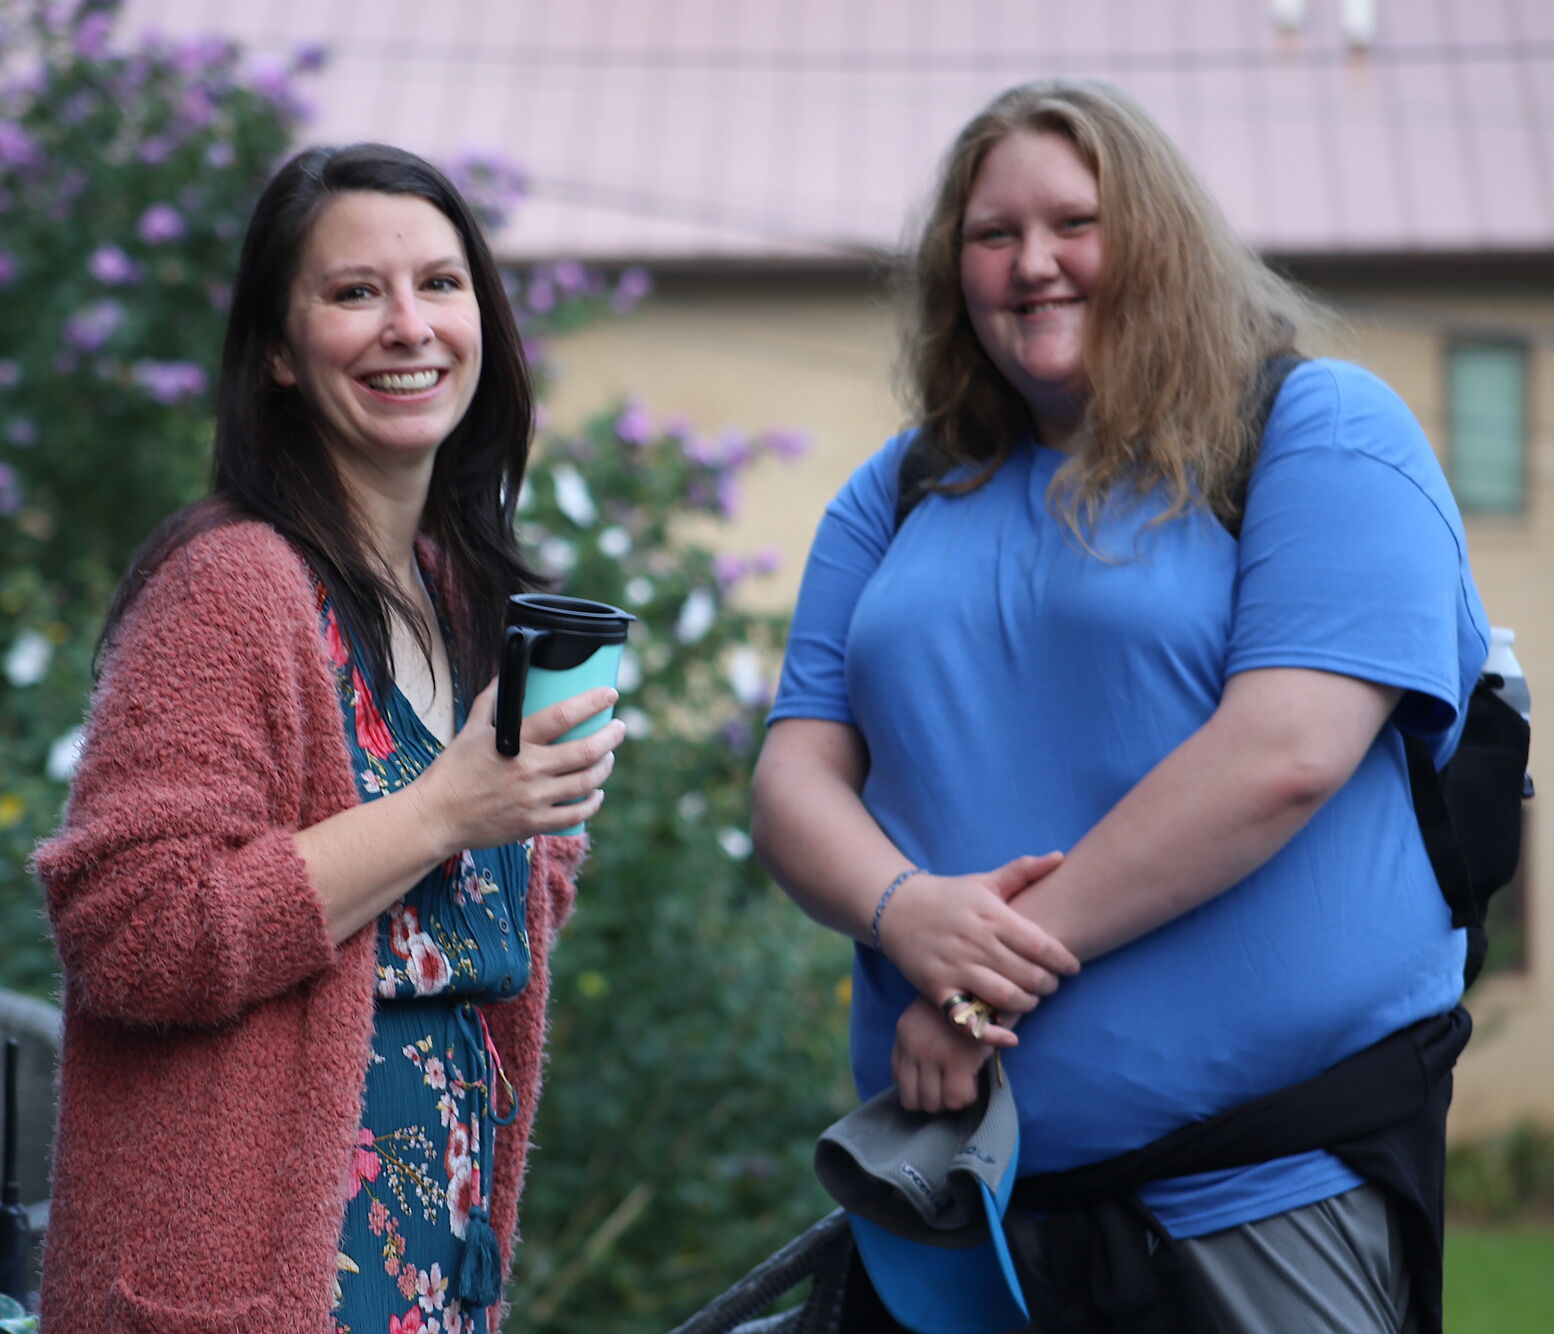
[480,1271]
[480,1277]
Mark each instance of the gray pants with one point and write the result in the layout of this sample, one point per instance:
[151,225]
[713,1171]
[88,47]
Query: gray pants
[1335,1267]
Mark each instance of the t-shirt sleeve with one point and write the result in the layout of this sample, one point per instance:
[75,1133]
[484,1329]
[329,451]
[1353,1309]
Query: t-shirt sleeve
[852,539]
[1352,558]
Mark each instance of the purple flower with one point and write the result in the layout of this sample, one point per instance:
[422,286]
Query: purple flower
[728,569]
[160,224]
[272,80]
[7,268]
[697,450]
[736,734]
[92,326]
[10,490]
[195,109]
[77,108]
[169,381]
[10,372]
[570,276]
[196,55]
[734,450]
[92,35]
[220,154]
[17,148]
[219,296]
[309,57]
[634,426]
[728,496]
[786,444]
[21,432]
[768,560]
[155,150]
[542,296]
[112,267]
[633,284]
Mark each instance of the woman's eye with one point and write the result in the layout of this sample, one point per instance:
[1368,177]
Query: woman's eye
[1080,222]
[355,292]
[444,283]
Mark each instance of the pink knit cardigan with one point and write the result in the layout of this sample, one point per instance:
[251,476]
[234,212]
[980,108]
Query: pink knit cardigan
[215,1040]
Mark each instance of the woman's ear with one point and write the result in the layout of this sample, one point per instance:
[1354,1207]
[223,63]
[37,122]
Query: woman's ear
[280,367]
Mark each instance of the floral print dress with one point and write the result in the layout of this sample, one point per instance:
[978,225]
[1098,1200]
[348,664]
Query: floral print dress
[435,1088]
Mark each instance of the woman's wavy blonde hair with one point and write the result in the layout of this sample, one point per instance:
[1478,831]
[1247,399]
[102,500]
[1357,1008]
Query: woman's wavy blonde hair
[1181,319]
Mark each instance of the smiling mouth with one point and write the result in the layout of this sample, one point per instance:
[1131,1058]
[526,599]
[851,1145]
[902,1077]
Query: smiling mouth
[1042,307]
[402,382]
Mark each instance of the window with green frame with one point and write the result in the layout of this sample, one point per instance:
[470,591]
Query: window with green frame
[1486,419]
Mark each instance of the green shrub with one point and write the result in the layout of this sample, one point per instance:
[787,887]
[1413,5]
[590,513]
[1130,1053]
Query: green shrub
[1503,1177]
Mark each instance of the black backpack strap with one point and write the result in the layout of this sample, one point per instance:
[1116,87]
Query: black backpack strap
[922,464]
[1439,837]
[1271,376]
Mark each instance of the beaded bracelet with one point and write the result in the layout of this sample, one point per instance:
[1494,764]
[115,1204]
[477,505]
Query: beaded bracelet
[879,908]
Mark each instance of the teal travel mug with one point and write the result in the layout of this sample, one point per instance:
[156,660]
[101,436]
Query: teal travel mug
[553,648]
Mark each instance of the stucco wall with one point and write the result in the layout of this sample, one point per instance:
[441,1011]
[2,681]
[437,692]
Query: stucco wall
[817,354]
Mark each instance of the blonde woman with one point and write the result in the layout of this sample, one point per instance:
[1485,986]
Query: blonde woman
[1120,621]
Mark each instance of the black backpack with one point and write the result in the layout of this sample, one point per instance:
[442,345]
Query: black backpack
[1470,812]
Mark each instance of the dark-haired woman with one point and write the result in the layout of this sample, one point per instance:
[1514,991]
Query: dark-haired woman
[1064,646]
[302,905]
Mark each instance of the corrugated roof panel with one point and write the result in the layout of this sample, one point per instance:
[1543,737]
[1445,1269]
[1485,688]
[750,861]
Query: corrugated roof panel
[1298,214]
[753,129]
[1531,20]
[1367,177]
[1499,144]
[1228,141]
[1431,152]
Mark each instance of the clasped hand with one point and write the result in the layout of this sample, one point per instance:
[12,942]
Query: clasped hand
[960,934]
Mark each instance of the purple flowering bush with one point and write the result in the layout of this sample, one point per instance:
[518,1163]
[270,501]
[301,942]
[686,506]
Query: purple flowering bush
[128,165]
[698,1026]
[698,1029]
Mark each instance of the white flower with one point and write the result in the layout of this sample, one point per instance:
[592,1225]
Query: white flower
[639,590]
[692,806]
[638,724]
[735,842]
[615,541]
[628,675]
[28,660]
[559,554]
[697,615]
[572,497]
[746,678]
[64,755]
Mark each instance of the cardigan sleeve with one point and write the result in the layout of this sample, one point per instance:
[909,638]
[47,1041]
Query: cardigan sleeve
[175,887]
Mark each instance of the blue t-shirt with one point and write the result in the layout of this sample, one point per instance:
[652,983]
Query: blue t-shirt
[1012,687]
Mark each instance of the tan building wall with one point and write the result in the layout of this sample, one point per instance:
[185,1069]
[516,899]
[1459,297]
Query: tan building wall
[817,353]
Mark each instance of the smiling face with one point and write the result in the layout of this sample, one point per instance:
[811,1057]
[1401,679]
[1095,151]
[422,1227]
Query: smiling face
[1030,260]
[382,332]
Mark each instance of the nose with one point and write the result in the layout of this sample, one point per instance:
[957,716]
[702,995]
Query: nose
[1037,259]
[406,325]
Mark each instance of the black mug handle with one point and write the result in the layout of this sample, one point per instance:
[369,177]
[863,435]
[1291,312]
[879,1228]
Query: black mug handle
[517,648]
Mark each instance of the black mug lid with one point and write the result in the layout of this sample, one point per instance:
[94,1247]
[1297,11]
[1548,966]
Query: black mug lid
[597,621]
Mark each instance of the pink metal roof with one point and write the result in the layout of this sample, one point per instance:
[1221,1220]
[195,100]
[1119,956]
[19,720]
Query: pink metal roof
[772,129]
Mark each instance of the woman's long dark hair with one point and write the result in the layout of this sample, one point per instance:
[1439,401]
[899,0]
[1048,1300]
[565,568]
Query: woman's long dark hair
[270,462]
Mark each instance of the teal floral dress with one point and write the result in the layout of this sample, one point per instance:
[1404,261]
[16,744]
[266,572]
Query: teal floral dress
[416,1253]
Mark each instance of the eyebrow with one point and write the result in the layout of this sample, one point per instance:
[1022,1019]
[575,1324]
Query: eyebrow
[346,271]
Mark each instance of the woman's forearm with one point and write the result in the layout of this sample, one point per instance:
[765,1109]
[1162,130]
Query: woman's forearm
[365,858]
[1215,809]
[811,829]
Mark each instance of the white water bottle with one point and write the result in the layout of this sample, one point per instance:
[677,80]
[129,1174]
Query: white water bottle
[1502,662]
